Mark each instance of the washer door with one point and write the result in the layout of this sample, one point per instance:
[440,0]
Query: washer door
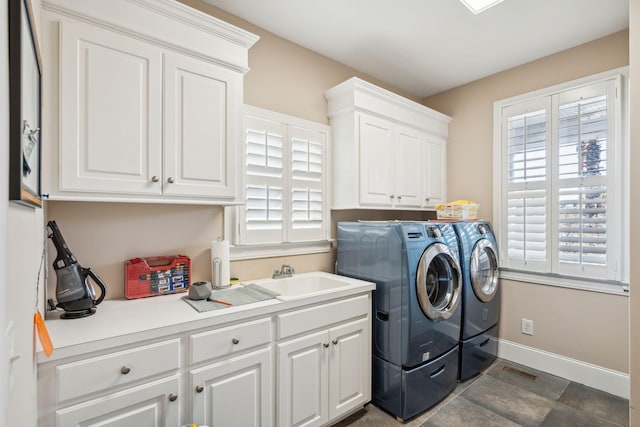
[438,282]
[484,270]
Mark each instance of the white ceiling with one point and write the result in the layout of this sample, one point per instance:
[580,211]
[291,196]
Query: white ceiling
[428,46]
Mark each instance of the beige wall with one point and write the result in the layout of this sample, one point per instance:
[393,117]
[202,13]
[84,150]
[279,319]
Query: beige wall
[634,60]
[566,322]
[286,77]
[569,322]
[104,235]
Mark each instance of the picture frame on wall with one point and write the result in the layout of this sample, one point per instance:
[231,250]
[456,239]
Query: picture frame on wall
[25,106]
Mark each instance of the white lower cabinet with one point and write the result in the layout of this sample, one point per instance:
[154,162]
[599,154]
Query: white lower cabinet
[136,386]
[349,367]
[304,365]
[303,381]
[233,388]
[323,362]
[323,375]
[154,404]
[220,388]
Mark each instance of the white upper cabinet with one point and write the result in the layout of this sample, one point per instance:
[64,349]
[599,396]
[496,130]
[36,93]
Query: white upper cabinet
[110,97]
[141,102]
[435,172]
[388,152]
[199,117]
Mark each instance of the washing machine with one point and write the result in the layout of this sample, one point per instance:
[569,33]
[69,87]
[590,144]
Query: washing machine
[416,308]
[480,297]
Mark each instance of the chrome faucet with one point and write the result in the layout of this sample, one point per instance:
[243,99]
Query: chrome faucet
[285,271]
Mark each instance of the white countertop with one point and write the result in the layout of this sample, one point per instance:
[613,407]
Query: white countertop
[122,321]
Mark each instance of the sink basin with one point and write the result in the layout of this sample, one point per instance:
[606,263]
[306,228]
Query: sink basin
[310,284]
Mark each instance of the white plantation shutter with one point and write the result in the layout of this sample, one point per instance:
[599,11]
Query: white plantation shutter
[561,201]
[527,222]
[264,208]
[583,183]
[527,225]
[307,196]
[285,183]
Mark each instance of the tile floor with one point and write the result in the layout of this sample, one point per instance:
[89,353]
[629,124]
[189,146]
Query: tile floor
[504,395]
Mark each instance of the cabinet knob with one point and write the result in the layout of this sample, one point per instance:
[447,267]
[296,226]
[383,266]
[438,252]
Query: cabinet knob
[399,198]
[125,370]
[326,345]
[335,341]
[392,196]
[155,178]
[199,388]
[235,341]
[171,180]
[173,397]
[426,199]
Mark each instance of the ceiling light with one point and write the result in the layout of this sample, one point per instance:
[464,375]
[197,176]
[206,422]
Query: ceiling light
[477,6]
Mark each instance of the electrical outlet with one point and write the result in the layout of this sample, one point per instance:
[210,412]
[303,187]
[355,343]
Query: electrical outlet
[527,327]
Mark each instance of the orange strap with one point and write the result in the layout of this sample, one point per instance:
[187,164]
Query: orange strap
[43,334]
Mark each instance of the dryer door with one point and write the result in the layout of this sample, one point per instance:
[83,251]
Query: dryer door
[438,282]
[483,270]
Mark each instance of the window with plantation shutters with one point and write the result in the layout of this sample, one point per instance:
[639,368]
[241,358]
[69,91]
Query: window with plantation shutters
[285,180]
[561,180]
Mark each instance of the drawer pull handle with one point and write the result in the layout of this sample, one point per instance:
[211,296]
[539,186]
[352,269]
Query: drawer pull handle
[326,345]
[438,371]
[125,370]
[173,397]
[235,341]
[155,178]
[335,341]
[199,388]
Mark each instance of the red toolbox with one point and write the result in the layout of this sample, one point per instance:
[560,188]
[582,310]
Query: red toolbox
[160,275]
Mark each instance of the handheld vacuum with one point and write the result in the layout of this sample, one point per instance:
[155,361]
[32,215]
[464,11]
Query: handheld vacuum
[74,293]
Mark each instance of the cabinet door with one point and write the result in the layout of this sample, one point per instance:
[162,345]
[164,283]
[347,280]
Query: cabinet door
[409,163]
[150,405]
[110,112]
[377,167]
[303,381]
[200,104]
[349,367]
[235,392]
[434,174]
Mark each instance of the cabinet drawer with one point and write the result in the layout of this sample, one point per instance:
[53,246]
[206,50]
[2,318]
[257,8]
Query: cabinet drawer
[321,316]
[226,341]
[115,369]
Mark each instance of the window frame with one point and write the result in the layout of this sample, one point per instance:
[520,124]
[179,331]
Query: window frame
[291,126]
[619,162]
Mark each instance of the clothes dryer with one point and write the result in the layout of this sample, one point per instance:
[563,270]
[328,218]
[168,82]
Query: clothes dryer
[416,307]
[480,297]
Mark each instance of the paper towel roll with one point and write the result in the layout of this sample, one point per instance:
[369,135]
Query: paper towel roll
[220,268]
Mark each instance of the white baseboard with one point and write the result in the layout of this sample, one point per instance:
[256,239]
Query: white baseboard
[604,379]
